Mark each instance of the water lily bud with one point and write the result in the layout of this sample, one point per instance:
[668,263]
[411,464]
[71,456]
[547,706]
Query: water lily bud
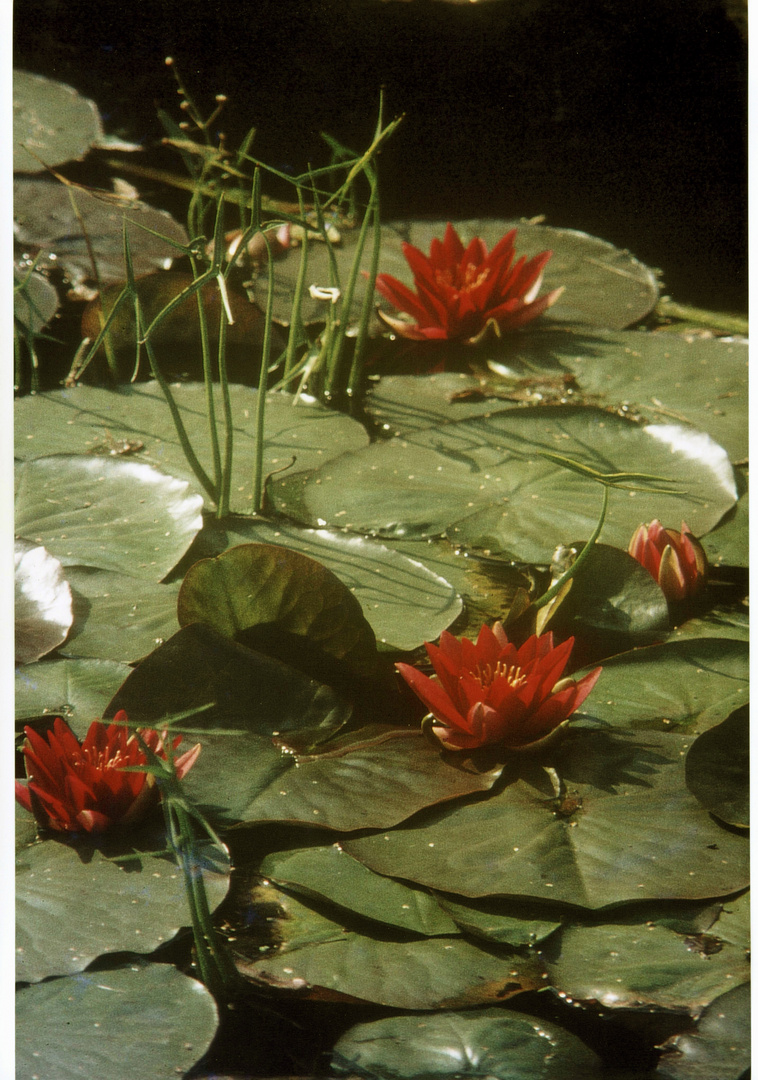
[676,560]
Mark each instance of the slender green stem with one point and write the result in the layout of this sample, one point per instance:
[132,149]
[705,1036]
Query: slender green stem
[579,560]
[296,322]
[210,405]
[717,320]
[226,472]
[260,412]
[355,379]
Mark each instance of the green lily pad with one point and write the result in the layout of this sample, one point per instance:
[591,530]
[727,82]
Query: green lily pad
[110,513]
[729,544]
[86,419]
[639,966]
[396,771]
[76,901]
[256,698]
[77,690]
[486,1043]
[405,601]
[431,973]
[85,1026]
[668,377]
[402,403]
[718,768]
[627,807]
[118,617]
[43,602]
[507,924]
[35,299]
[45,219]
[255,584]
[720,1046]
[733,922]
[328,873]
[692,684]
[719,622]
[612,594]
[51,119]
[604,286]
[484,483]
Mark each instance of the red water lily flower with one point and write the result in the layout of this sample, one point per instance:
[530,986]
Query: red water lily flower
[75,787]
[461,293]
[492,692]
[676,561]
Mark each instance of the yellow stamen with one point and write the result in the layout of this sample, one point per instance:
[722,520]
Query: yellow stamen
[486,674]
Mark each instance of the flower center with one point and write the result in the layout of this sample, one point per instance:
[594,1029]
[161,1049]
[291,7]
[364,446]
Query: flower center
[463,278]
[486,674]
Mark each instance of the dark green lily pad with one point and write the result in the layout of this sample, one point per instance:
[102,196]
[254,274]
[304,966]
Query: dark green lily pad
[51,119]
[605,286]
[328,873]
[612,594]
[111,513]
[87,419]
[667,377]
[256,698]
[693,684]
[718,768]
[402,403]
[729,544]
[254,584]
[720,1046]
[405,601]
[396,771]
[644,965]
[77,690]
[85,1026]
[733,922]
[76,901]
[118,617]
[483,482]
[627,807]
[46,220]
[43,602]
[486,1043]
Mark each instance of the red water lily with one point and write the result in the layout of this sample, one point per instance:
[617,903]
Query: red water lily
[461,293]
[676,561]
[491,692]
[75,787]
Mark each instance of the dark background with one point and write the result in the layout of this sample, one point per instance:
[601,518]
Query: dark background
[624,118]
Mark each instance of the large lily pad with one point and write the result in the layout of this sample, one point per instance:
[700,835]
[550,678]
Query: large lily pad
[431,973]
[405,601]
[604,285]
[86,419]
[254,584]
[35,299]
[627,808]
[729,544]
[671,377]
[43,602]
[693,684]
[500,921]
[643,965]
[52,120]
[329,873]
[111,513]
[76,901]
[486,1043]
[395,770]
[86,1026]
[720,1046]
[484,482]
[255,698]
[118,617]
[718,768]
[77,690]
[45,218]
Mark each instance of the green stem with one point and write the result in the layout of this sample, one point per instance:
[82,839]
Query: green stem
[260,412]
[226,471]
[210,405]
[717,320]
[581,557]
[290,360]
[355,380]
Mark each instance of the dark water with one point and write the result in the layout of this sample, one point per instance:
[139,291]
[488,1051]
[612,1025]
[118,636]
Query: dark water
[627,120]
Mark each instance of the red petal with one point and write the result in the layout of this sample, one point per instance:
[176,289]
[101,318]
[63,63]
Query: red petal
[23,797]
[432,695]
